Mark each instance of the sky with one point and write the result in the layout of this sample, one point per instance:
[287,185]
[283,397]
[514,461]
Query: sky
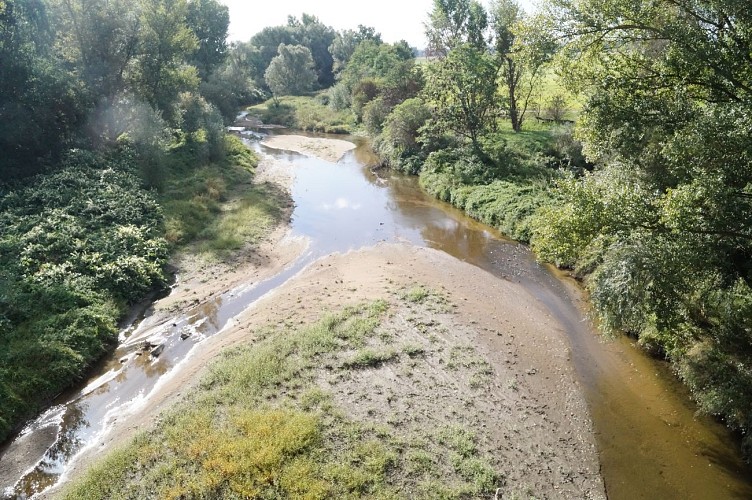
[394,19]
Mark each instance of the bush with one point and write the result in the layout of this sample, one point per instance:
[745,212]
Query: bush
[339,97]
[75,247]
[203,127]
[399,145]
[374,115]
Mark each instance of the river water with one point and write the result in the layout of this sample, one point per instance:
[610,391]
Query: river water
[652,445]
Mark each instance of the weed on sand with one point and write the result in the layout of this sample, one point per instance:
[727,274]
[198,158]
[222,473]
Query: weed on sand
[269,420]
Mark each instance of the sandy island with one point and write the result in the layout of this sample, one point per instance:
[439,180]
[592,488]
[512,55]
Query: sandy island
[532,414]
[326,149]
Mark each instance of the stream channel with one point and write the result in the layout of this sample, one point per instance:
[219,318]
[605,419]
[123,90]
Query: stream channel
[651,442]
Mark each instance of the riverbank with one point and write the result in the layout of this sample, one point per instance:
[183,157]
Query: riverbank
[499,367]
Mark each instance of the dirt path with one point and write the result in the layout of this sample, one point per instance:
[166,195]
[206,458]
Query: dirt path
[530,411]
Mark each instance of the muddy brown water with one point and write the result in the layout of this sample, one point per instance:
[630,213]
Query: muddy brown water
[652,444]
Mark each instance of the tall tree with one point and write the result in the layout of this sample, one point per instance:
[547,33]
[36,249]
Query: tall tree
[453,23]
[99,39]
[461,90]
[521,47]
[307,31]
[161,71]
[291,72]
[40,108]
[209,21]
[345,43]
[318,37]
[669,86]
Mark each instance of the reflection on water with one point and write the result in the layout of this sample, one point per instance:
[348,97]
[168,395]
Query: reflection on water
[652,446]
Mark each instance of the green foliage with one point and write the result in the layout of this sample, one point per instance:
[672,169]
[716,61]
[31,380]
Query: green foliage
[231,85]
[215,207]
[369,358]
[291,72]
[461,92]
[345,43]
[209,21]
[502,188]
[453,23]
[308,32]
[75,246]
[374,115]
[370,60]
[166,41]
[305,113]
[103,96]
[399,144]
[203,127]
[32,79]
[662,227]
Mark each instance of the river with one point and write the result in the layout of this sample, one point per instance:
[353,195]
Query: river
[651,442]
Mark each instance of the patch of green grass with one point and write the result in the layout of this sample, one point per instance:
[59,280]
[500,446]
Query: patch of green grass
[533,138]
[550,86]
[431,300]
[416,294]
[217,208]
[413,351]
[463,444]
[305,113]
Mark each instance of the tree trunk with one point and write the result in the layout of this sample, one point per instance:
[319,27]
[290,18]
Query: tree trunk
[512,81]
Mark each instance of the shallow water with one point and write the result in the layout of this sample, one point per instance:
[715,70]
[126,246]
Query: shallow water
[651,443]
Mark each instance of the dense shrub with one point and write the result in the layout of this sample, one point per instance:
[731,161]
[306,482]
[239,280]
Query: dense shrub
[374,115]
[656,269]
[399,145]
[75,247]
[485,191]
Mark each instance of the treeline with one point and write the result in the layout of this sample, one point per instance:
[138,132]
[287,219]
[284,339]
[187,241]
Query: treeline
[105,107]
[648,199]
[662,229]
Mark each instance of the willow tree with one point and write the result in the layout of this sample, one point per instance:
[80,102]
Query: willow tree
[291,72]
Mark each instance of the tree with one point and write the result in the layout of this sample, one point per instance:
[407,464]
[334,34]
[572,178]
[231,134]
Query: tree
[461,90]
[40,107]
[669,96]
[399,143]
[308,32]
[161,71]
[209,21]
[267,42]
[317,37]
[345,43]
[521,46]
[232,84]
[291,72]
[453,23]
[100,39]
